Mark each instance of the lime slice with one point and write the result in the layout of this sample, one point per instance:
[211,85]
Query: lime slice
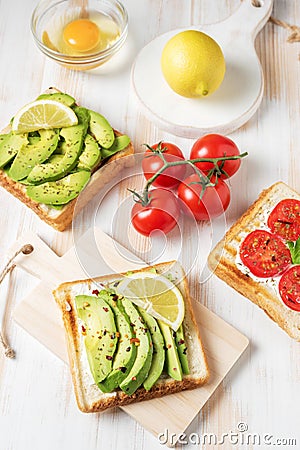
[43,114]
[156,294]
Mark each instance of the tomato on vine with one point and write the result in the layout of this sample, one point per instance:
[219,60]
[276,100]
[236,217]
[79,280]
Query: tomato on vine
[215,146]
[154,160]
[203,202]
[159,211]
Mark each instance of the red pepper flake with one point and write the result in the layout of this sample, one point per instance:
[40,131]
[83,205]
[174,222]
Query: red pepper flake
[133,378]
[108,357]
[95,292]
[83,329]
[169,346]
[105,309]
[135,341]
[175,368]
[180,342]
[117,334]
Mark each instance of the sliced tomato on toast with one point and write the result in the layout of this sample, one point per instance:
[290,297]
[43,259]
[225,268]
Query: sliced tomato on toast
[265,254]
[284,219]
[289,288]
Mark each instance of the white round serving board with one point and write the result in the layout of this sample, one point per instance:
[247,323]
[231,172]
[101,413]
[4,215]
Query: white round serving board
[232,104]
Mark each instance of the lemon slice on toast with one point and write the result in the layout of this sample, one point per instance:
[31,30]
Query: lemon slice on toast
[43,114]
[156,294]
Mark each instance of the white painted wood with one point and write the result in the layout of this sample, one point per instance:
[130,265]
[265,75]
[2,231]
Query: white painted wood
[38,315]
[239,95]
[37,407]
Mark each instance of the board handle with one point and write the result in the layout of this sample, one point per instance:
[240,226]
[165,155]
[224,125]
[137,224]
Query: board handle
[250,17]
[42,263]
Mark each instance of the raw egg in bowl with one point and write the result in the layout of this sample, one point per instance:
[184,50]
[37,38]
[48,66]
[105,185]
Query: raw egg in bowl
[77,42]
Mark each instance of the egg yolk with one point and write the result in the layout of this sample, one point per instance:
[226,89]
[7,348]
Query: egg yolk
[81,35]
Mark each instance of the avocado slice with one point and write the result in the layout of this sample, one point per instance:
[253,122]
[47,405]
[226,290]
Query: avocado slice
[142,363]
[55,158]
[66,99]
[2,137]
[90,156]
[182,349]
[34,140]
[158,358]
[74,137]
[59,192]
[173,365]
[101,130]
[126,351]
[119,144]
[99,329]
[10,145]
[32,154]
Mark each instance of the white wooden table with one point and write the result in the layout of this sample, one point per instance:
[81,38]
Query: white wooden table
[37,405]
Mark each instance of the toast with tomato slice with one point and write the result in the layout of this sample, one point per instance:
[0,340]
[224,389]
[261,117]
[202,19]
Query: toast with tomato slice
[260,256]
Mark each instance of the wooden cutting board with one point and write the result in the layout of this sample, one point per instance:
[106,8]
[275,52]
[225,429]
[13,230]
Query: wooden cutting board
[234,102]
[95,253]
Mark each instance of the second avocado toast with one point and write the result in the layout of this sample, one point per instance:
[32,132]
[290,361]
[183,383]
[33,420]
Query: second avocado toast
[118,352]
[48,169]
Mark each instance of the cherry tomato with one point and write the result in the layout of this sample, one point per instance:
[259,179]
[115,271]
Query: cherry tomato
[284,220]
[289,288]
[151,163]
[161,213]
[216,146]
[265,254]
[214,202]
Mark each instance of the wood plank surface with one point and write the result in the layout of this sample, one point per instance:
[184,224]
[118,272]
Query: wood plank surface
[37,407]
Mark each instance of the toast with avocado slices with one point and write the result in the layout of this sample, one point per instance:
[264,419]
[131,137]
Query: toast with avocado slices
[47,169]
[259,256]
[122,349]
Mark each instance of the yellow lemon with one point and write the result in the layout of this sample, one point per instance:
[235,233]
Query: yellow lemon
[193,64]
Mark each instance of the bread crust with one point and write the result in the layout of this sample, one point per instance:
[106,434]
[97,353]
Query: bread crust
[119,398]
[61,219]
[222,261]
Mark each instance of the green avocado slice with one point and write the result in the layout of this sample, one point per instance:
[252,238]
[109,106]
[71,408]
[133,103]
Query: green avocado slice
[100,338]
[142,363]
[10,145]
[182,349]
[30,155]
[101,130]
[66,99]
[90,156]
[59,192]
[126,351]
[173,365]
[119,144]
[74,137]
[158,358]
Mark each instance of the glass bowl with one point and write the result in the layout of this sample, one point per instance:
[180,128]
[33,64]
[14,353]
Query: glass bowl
[53,15]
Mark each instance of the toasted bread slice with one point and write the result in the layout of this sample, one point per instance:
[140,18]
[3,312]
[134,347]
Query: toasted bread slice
[88,395]
[61,219]
[224,260]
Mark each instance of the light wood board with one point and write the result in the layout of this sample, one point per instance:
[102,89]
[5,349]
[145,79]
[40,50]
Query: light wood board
[94,254]
[237,98]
